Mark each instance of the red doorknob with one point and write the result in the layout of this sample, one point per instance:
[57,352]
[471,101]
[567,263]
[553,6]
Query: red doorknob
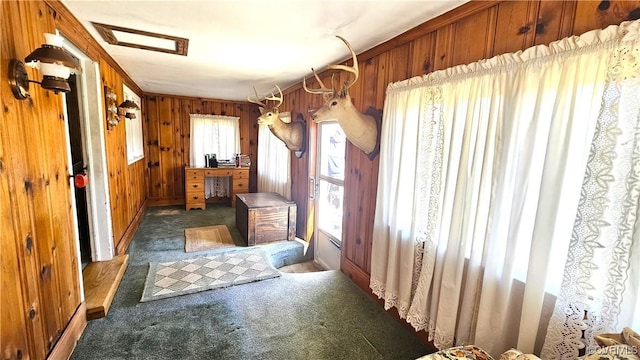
[81,180]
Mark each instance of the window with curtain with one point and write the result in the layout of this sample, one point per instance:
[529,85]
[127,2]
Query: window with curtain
[274,161]
[507,199]
[214,134]
[133,129]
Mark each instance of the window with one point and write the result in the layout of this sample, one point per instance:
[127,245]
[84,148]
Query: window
[214,134]
[133,129]
[508,180]
[331,152]
[274,161]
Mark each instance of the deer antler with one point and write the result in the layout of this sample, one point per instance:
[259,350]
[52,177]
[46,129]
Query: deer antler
[326,92]
[275,98]
[352,69]
[256,101]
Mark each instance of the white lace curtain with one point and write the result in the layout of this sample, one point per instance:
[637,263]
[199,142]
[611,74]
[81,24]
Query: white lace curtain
[484,185]
[274,163]
[214,134]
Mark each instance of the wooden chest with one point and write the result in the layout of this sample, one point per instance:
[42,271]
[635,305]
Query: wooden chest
[265,217]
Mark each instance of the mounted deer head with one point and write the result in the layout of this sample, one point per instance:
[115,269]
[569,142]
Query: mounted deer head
[292,134]
[361,129]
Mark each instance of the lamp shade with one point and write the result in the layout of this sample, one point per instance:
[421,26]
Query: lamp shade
[130,108]
[55,63]
[129,105]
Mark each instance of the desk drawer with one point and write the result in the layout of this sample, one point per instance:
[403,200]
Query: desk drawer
[193,174]
[218,172]
[241,174]
[194,186]
[194,200]
[194,196]
[239,186]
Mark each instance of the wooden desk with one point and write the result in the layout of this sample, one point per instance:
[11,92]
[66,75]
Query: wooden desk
[265,217]
[194,184]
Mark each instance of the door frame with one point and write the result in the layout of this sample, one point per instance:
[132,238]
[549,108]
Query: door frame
[95,158]
[333,261]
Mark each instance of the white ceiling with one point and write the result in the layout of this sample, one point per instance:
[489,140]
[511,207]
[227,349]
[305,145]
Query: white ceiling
[235,45]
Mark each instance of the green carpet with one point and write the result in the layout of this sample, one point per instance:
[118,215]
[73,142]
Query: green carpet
[320,315]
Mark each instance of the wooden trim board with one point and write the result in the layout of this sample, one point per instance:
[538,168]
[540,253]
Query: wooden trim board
[101,280]
[127,237]
[67,342]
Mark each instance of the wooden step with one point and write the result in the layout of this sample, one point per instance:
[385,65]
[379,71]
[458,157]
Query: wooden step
[101,280]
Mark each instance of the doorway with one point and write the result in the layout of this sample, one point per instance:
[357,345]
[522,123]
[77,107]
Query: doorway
[329,194]
[84,109]
[78,166]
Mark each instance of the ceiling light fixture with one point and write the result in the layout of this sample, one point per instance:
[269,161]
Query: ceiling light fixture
[138,39]
[55,63]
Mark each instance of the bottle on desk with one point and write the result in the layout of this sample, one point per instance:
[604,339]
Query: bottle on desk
[206,160]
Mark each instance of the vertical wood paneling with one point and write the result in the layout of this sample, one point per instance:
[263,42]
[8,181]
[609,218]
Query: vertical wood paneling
[590,15]
[444,47]
[516,21]
[168,145]
[473,37]
[14,334]
[153,148]
[165,109]
[127,183]
[423,50]
[185,110]
[178,172]
[40,284]
[555,20]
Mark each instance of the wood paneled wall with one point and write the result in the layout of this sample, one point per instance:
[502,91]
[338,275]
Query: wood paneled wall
[40,284]
[168,140]
[469,33]
[40,289]
[127,183]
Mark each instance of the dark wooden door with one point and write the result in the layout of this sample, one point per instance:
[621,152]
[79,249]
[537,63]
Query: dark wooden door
[78,167]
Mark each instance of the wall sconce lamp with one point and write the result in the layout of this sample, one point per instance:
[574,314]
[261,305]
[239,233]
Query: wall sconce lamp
[55,63]
[130,108]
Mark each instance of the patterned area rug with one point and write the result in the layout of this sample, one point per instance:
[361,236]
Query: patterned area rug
[188,276]
[207,238]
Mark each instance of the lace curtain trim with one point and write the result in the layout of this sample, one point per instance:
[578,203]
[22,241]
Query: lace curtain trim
[625,64]
[604,223]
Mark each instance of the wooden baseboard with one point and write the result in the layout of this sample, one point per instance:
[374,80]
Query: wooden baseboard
[124,242]
[166,201]
[362,279]
[356,274]
[69,338]
[179,200]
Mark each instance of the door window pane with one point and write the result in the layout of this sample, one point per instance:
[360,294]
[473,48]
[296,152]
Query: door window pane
[329,202]
[333,149]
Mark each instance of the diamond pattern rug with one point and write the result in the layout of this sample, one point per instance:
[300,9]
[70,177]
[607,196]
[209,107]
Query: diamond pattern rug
[188,276]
